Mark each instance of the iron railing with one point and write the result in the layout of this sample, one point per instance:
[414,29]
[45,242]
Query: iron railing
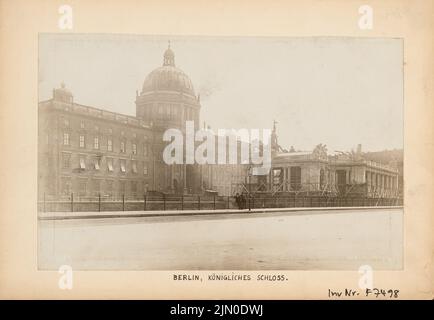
[76,203]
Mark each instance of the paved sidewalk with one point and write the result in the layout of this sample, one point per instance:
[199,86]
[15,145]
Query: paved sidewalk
[159,213]
[295,239]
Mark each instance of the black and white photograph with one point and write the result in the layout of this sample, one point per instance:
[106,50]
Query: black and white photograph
[219,153]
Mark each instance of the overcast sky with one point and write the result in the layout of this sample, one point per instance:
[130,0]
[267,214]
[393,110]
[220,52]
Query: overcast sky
[335,91]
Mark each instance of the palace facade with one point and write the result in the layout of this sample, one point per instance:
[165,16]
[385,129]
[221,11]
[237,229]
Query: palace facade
[87,151]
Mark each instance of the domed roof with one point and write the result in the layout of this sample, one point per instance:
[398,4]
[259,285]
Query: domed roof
[168,77]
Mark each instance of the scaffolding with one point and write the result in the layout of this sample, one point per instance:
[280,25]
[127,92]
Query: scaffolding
[327,190]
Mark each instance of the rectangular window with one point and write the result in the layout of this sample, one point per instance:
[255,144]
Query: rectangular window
[82,124]
[66,186]
[66,138]
[122,147]
[82,162]
[134,166]
[133,187]
[66,160]
[109,145]
[134,146]
[123,165]
[96,184]
[109,187]
[110,164]
[81,141]
[121,187]
[82,187]
[145,169]
[97,163]
[96,143]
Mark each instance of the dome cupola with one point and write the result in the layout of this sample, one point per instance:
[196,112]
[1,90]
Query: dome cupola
[168,77]
[167,99]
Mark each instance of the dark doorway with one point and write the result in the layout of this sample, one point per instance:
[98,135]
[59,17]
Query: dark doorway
[341,181]
[295,178]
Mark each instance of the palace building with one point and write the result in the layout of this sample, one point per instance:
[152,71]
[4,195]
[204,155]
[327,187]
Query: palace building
[87,151]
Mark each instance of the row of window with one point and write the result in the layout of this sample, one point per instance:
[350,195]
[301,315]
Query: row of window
[111,165]
[83,126]
[104,187]
[97,144]
[169,111]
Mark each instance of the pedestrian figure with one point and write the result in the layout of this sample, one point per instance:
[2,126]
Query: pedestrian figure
[242,201]
[238,200]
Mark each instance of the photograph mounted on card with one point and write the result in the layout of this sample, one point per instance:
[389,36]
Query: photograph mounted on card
[219,153]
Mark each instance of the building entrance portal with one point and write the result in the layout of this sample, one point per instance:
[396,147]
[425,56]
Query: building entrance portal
[342,181]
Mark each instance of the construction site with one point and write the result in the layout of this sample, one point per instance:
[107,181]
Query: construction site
[316,174]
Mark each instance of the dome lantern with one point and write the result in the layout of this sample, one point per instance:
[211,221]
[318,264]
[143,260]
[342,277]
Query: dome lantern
[169,57]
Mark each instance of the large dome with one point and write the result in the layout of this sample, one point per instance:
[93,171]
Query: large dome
[168,77]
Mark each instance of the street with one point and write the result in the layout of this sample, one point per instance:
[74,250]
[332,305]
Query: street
[320,240]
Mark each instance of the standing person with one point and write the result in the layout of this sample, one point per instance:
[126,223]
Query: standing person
[242,201]
[237,200]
